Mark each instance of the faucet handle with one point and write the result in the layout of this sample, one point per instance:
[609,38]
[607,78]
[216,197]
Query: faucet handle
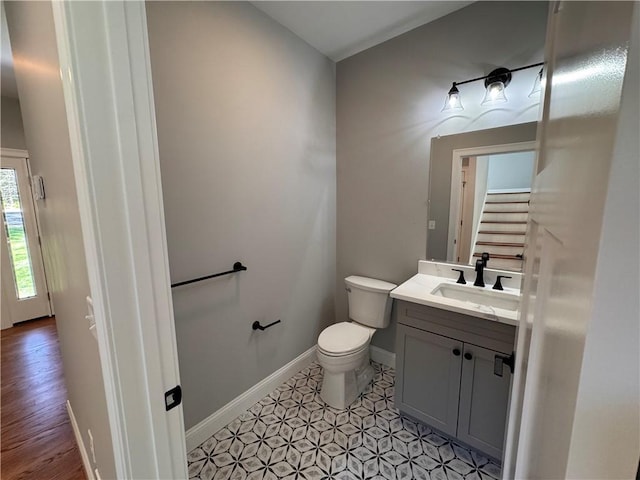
[461,277]
[485,258]
[498,284]
[480,273]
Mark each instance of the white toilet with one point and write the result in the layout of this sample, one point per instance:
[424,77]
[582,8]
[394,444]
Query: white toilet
[343,348]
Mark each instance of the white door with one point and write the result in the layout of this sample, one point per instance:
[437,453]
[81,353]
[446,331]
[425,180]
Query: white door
[23,281]
[103,52]
[585,67]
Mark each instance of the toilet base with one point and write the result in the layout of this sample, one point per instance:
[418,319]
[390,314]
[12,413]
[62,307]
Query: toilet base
[340,389]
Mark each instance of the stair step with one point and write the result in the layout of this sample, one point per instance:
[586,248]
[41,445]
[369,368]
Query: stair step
[505,216]
[505,212]
[508,197]
[499,251]
[501,244]
[502,229]
[505,222]
[504,257]
[502,237]
[499,207]
[496,232]
[517,228]
[502,264]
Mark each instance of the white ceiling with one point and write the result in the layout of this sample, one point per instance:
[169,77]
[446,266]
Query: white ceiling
[340,29]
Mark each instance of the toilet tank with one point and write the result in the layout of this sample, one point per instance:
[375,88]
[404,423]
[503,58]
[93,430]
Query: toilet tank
[369,301]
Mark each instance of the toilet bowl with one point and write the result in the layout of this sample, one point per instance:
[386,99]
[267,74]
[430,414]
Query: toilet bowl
[343,348]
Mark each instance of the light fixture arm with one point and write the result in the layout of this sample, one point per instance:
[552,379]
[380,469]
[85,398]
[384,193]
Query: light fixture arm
[500,71]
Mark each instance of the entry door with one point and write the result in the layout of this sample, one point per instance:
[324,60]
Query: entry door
[23,282]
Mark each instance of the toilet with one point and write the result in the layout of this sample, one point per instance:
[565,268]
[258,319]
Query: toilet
[343,348]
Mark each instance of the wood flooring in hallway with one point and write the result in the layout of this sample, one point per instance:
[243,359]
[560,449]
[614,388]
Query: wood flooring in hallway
[37,440]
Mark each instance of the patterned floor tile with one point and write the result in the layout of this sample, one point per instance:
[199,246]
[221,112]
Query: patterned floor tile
[292,434]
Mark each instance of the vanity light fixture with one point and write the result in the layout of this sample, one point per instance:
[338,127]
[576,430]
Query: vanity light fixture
[537,84]
[495,83]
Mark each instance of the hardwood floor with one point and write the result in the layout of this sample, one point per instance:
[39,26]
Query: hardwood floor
[37,440]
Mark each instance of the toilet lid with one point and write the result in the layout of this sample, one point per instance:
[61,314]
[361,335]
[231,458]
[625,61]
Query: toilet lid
[344,337]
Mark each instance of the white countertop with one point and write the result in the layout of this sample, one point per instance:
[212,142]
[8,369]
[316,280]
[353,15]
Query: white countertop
[419,287]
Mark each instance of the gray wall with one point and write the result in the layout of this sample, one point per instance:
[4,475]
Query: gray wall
[47,139]
[389,99]
[246,129]
[11,129]
[510,170]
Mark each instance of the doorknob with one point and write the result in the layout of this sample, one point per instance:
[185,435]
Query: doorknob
[468,356]
[456,352]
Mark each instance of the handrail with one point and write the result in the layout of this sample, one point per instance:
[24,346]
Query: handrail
[237,267]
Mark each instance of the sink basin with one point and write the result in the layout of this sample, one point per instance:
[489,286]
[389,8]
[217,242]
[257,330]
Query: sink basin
[478,296]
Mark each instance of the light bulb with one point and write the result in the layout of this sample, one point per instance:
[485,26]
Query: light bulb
[494,94]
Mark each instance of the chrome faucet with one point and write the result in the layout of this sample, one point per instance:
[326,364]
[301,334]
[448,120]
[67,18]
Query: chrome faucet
[481,263]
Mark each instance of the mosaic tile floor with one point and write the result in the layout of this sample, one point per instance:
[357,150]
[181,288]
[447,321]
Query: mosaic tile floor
[293,434]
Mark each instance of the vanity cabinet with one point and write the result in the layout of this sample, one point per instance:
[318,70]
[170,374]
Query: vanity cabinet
[445,374]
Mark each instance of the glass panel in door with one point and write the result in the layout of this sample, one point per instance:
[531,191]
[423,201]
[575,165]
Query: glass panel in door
[18,243]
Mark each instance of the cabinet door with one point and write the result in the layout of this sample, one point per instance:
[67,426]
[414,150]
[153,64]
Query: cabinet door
[484,399]
[428,377]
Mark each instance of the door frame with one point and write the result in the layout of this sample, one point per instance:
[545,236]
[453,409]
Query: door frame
[106,76]
[465,226]
[24,155]
[456,173]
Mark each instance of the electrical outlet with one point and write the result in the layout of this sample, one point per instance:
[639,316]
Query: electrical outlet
[432,224]
[91,447]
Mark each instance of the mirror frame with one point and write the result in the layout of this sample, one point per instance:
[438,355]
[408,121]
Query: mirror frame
[440,175]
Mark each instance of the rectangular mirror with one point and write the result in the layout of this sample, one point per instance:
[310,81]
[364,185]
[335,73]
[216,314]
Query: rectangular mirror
[479,185]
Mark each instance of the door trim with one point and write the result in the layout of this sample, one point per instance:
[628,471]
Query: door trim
[106,78]
[14,153]
[37,260]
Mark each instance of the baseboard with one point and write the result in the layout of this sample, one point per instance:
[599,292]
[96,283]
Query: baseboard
[382,356]
[210,425]
[83,451]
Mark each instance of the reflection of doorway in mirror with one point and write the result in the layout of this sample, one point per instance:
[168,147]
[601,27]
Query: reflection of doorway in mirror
[489,210]
[500,222]
[467,193]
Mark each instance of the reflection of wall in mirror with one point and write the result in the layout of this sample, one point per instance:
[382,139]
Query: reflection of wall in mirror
[510,171]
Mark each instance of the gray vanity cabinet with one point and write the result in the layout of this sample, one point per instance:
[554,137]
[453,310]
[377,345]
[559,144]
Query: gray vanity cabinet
[484,399]
[422,348]
[445,373]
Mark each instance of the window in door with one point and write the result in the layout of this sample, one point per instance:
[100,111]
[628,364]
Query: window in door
[18,244]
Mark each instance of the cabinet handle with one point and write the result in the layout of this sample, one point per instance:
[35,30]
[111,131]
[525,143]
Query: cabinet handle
[500,360]
[456,352]
[468,356]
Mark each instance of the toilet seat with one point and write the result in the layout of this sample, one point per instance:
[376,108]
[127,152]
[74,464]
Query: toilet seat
[344,338]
